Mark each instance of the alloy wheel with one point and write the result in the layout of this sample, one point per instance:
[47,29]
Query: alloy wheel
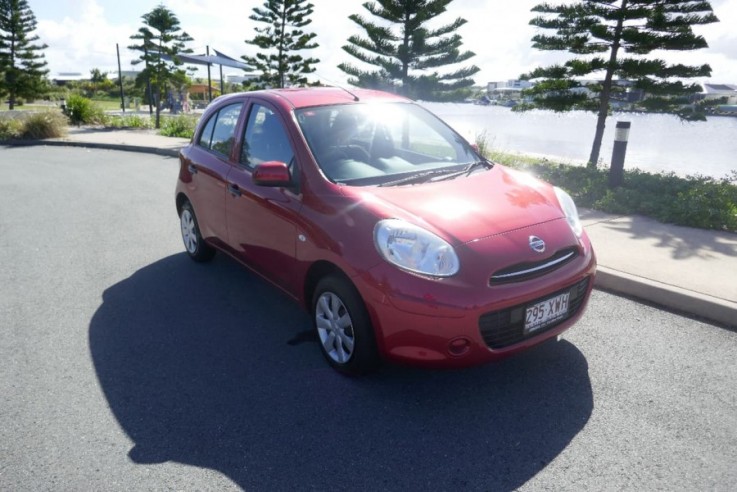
[189,231]
[335,327]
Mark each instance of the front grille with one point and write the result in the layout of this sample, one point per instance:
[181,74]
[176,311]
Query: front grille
[501,329]
[524,271]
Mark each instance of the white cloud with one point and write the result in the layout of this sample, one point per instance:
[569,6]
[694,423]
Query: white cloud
[83,40]
[722,39]
[498,32]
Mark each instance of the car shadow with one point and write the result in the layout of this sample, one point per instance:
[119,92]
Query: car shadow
[210,366]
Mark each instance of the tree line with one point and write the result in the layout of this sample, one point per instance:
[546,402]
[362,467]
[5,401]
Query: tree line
[402,46]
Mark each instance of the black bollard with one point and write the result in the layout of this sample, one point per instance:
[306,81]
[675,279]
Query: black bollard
[616,171]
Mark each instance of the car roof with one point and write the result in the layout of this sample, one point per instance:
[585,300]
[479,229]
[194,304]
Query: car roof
[296,98]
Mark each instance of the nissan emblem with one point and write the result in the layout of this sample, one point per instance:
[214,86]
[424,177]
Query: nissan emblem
[537,244]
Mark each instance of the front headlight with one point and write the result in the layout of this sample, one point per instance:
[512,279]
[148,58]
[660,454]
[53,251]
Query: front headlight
[569,208]
[413,248]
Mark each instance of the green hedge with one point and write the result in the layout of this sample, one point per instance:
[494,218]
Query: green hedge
[694,201]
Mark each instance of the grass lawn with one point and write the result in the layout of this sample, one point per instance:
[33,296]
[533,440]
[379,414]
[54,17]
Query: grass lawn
[107,105]
[30,107]
[41,106]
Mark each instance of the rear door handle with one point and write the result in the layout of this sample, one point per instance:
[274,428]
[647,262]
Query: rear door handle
[192,169]
[234,190]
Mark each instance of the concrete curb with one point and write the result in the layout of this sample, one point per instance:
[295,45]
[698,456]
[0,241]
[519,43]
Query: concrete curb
[93,145]
[715,310]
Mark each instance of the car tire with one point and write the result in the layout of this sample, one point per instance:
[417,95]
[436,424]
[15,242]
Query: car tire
[343,327]
[195,246]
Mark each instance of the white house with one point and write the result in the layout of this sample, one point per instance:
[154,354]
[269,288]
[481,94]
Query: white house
[716,91]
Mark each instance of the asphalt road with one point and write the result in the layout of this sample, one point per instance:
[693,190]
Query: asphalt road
[125,366]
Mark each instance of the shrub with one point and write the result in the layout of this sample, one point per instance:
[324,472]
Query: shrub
[707,203]
[48,124]
[178,126]
[82,111]
[10,128]
[129,121]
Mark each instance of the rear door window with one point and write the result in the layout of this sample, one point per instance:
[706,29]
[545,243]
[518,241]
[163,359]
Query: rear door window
[219,132]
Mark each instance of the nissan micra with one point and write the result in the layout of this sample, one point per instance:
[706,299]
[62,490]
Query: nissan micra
[400,239]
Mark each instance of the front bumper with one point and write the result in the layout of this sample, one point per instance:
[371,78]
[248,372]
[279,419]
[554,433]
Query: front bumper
[446,323]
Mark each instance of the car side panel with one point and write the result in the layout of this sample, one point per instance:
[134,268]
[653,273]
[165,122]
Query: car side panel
[203,179]
[261,220]
[262,227]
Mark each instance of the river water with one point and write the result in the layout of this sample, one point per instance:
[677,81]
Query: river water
[656,142]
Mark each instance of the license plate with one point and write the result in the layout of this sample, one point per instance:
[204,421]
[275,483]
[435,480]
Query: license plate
[546,312]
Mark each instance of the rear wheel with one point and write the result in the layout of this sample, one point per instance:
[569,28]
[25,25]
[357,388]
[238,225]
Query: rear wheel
[343,327]
[196,247]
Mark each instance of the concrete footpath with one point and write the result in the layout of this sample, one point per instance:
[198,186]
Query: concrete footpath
[691,271]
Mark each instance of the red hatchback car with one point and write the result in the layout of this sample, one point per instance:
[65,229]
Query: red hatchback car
[386,225]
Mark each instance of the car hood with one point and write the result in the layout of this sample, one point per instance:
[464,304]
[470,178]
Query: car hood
[469,208]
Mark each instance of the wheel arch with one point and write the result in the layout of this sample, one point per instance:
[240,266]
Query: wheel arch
[318,270]
[321,268]
[181,199]
[373,344]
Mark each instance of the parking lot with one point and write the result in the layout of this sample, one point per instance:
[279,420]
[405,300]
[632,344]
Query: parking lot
[126,366]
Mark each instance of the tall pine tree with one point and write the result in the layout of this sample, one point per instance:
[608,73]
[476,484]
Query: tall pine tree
[161,42]
[626,31]
[407,53]
[22,65]
[279,42]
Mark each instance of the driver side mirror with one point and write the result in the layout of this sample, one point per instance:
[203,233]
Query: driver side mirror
[273,174]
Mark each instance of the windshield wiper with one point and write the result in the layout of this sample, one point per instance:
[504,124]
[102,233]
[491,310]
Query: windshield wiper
[467,170]
[419,177]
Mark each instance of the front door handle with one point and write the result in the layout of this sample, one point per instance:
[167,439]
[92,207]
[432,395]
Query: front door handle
[234,190]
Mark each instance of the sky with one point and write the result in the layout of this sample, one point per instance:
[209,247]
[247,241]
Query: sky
[82,34]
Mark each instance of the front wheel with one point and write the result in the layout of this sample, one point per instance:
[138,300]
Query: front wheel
[196,247]
[343,327]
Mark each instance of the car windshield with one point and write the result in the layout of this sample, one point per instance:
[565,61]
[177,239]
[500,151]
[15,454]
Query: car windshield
[383,143]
